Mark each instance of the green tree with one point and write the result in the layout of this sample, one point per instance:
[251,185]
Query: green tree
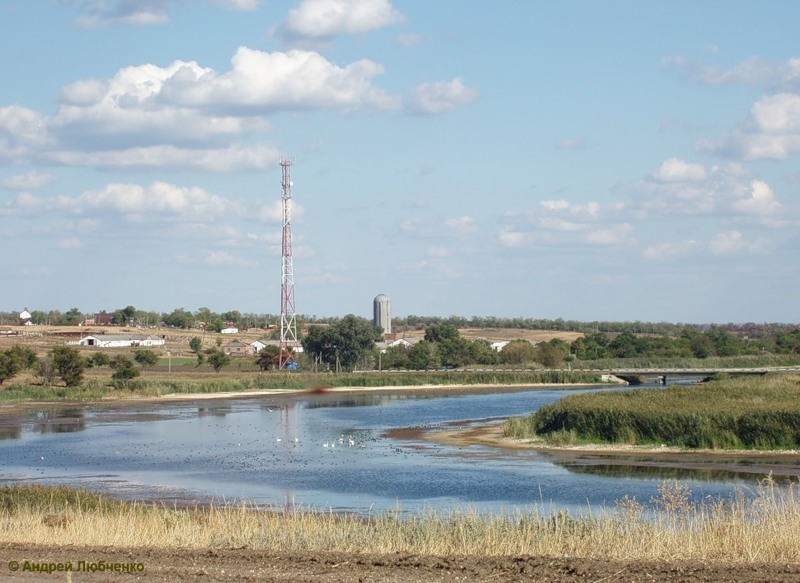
[269,357]
[9,366]
[453,351]
[698,343]
[394,357]
[179,318]
[123,368]
[217,358]
[591,346]
[725,343]
[423,355]
[550,354]
[481,352]
[234,316]
[145,358]
[196,346]
[343,344]
[97,360]
[441,332]
[25,355]
[625,345]
[125,317]
[518,352]
[215,324]
[73,317]
[69,364]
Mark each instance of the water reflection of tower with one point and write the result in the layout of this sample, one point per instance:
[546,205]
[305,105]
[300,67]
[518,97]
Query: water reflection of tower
[382,313]
[289,428]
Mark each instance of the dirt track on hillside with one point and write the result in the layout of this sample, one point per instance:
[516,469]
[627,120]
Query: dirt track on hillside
[229,565]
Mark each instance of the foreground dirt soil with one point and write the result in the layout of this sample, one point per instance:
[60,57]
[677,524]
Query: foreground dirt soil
[227,565]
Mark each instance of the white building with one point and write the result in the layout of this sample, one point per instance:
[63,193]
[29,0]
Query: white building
[259,345]
[121,341]
[25,318]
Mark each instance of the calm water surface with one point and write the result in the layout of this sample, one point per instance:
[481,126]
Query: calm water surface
[326,451]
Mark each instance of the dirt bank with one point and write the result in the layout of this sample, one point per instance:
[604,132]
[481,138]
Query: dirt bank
[233,565]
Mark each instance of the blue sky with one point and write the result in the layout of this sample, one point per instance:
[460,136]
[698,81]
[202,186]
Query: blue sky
[616,160]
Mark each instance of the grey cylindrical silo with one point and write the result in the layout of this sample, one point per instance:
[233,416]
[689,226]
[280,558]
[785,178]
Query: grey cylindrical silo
[382,313]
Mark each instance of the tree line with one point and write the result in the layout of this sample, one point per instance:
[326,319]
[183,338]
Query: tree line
[211,320]
[349,344]
[67,364]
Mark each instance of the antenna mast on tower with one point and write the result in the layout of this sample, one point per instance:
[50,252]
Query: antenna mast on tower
[288,314]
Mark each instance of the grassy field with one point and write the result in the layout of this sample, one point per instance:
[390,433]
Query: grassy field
[745,529]
[754,413]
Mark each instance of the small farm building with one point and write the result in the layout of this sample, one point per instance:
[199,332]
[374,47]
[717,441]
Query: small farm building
[121,341]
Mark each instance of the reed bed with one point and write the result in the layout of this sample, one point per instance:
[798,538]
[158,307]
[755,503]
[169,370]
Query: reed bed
[729,413]
[764,527]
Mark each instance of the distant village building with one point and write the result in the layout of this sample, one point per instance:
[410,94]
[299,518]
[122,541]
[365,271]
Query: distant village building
[403,342]
[230,330]
[397,343]
[102,319]
[259,345]
[121,341]
[25,318]
[238,348]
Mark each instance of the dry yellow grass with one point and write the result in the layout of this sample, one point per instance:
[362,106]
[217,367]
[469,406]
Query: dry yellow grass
[764,529]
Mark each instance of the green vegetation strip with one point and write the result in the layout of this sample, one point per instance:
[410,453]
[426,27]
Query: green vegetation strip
[285,381]
[732,413]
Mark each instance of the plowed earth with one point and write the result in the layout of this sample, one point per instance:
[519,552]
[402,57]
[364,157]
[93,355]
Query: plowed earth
[226,565]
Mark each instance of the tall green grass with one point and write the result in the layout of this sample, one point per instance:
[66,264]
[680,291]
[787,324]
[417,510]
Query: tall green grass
[732,413]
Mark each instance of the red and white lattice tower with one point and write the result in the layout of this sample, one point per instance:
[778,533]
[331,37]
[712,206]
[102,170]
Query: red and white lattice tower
[288,314]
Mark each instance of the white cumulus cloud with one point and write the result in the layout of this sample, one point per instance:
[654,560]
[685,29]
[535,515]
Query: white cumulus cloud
[156,202]
[266,82]
[760,202]
[461,226]
[441,96]
[722,190]
[772,131]
[659,251]
[675,170]
[732,242]
[322,20]
[29,181]
[101,13]
[560,222]
[185,115]
[778,75]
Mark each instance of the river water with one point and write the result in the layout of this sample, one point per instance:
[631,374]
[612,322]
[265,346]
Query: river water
[323,452]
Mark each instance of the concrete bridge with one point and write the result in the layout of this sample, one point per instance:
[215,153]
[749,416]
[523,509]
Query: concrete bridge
[663,375]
